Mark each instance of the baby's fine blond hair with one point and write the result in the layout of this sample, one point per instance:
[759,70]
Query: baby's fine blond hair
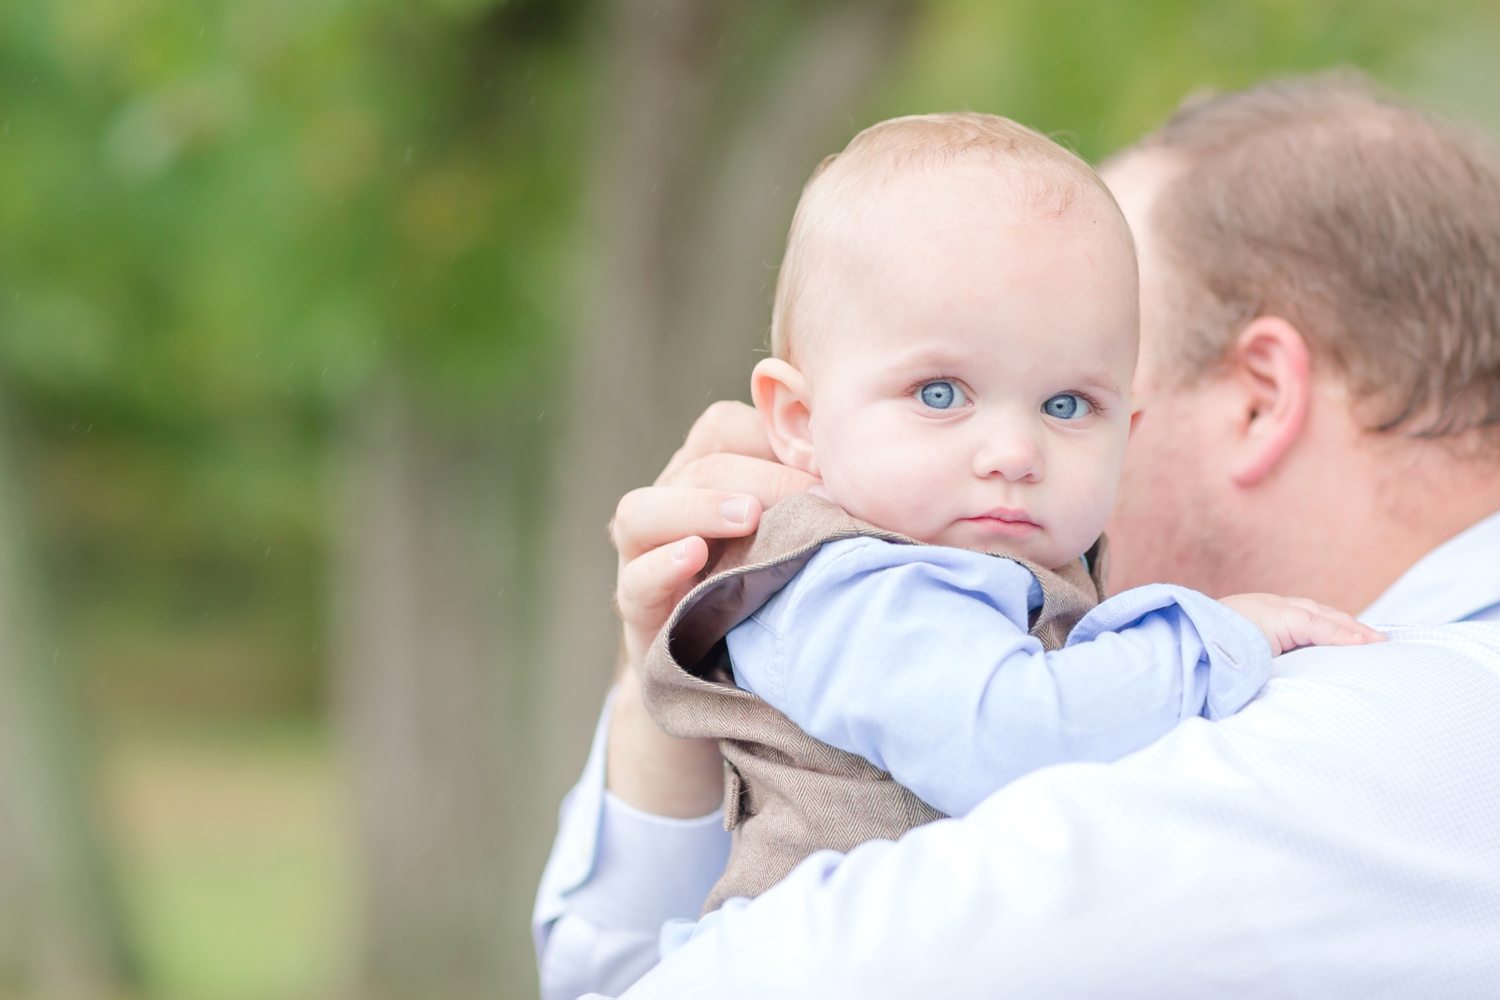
[1043,173]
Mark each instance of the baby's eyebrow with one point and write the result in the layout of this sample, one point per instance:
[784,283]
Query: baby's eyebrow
[1100,381]
[927,362]
[921,363]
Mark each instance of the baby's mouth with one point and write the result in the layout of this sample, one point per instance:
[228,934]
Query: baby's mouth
[1005,521]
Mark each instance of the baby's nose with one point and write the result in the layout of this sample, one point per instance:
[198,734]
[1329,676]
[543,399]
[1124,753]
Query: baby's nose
[1013,458]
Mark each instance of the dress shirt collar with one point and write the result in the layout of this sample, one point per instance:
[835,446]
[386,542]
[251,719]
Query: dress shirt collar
[1456,580]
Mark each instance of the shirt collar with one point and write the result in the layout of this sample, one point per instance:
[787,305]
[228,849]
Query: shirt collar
[1452,582]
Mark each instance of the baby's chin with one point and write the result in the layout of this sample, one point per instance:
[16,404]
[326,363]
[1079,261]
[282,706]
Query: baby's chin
[1033,544]
[992,536]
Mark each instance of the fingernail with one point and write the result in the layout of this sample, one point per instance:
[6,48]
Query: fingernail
[679,551]
[735,509]
[817,489]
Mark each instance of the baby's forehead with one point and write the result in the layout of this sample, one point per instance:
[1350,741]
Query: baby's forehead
[915,192]
[925,214]
[1041,185]
[943,245]
[979,193]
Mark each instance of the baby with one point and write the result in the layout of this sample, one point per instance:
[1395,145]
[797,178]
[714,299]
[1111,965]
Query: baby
[954,336]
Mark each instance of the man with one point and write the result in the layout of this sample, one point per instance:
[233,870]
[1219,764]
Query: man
[1320,392]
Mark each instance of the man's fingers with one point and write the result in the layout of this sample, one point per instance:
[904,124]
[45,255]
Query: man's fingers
[768,482]
[725,427]
[655,515]
[651,584]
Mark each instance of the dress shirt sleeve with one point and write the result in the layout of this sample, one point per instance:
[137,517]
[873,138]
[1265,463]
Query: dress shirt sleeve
[918,660]
[616,874]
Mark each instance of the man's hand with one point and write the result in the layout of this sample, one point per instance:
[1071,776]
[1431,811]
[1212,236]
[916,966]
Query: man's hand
[714,487]
[1290,622]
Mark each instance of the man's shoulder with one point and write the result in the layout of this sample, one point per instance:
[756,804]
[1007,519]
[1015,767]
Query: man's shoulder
[1388,750]
[1405,660]
[1477,640]
[1394,701]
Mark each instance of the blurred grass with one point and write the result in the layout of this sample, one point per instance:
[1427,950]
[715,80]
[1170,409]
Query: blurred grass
[235,856]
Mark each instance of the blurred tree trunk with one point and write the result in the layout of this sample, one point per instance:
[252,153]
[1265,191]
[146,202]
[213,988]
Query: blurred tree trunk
[60,933]
[470,665]
[692,218]
[426,649]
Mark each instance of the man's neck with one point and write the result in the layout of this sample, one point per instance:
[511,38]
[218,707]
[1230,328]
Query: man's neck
[1357,526]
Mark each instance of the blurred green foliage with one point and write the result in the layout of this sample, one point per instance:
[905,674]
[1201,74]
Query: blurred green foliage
[218,220]
[1099,74]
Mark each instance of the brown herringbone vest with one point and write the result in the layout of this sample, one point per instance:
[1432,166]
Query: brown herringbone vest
[786,794]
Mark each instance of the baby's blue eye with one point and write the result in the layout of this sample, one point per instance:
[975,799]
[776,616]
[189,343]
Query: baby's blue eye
[942,395]
[1066,406]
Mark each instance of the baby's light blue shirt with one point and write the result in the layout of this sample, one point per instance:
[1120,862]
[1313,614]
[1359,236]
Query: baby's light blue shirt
[918,659]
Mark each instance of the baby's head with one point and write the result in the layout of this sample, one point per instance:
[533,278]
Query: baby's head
[954,337]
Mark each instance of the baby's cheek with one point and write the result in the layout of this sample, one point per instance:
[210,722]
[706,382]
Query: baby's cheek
[888,483]
[874,491]
[1083,489]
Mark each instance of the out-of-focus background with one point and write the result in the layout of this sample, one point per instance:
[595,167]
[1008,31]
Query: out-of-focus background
[330,331]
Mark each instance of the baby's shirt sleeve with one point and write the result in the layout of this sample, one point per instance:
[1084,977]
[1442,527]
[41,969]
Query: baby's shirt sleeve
[918,659]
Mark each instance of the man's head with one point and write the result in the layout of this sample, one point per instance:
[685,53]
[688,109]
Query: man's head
[954,337]
[1320,367]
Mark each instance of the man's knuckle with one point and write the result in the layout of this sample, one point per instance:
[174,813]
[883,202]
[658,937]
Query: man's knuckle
[620,530]
[628,511]
[717,412]
[708,469]
[708,429]
[629,597]
[696,441]
[627,504]
[787,480]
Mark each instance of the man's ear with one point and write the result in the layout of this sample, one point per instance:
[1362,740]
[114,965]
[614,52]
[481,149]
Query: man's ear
[782,396]
[1270,363]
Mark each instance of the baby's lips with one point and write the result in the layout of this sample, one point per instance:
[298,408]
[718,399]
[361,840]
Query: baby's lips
[1011,515]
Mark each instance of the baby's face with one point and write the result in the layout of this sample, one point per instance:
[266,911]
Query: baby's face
[968,374]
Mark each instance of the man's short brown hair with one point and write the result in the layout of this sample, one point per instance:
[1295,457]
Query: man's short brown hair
[1370,225]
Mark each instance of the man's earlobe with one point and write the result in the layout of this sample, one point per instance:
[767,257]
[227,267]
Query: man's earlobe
[784,399]
[1272,364]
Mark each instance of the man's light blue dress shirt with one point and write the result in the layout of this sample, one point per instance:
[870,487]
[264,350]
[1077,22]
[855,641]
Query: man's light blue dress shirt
[1340,837]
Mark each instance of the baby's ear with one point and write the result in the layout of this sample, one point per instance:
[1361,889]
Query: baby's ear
[782,396]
